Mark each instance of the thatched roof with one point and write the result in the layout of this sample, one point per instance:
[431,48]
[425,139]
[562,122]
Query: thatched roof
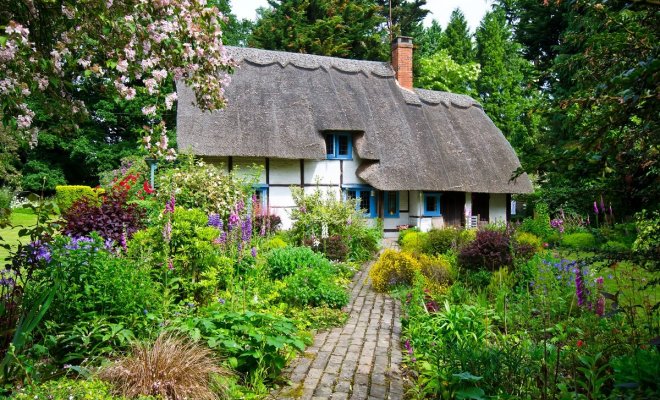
[280,104]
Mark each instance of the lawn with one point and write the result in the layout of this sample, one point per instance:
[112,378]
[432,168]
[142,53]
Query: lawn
[19,219]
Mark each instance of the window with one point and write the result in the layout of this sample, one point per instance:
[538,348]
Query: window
[260,193]
[338,146]
[391,205]
[366,201]
[432,204]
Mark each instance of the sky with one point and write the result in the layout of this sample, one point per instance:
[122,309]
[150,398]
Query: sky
[441,10]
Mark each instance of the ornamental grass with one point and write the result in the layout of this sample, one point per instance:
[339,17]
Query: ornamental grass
[172,367]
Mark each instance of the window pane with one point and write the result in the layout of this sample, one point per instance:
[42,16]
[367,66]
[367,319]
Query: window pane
[365,202]
[391,203]
[342,143]
[329,144]
[351,194]
[431,205]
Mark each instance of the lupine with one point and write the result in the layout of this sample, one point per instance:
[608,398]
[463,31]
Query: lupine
[215,221]
[233,221]
[254,252]
[246,229]
[580,289]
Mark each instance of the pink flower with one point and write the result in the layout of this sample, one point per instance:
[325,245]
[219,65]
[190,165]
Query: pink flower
[595,207]
[149,110]
[169,100]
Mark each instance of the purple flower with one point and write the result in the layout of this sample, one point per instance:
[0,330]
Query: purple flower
[595,207]
[246,229]
[600,306]
[599,281]
[122,240]
[254,252]
[221,301]
[580,289]
[169,206]
[109,244]
[7,278]
[233,221]
[240,206]
[167,231]
[222,239]
[215,221]
[170,264]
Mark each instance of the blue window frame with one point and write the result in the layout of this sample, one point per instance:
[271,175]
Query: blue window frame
[391,205]
[432,204]
[366,199]
[338,146]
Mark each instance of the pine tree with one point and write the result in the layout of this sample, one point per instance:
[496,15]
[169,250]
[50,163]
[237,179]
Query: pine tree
[339,28]
[457,39]
[407,16]
[502,85]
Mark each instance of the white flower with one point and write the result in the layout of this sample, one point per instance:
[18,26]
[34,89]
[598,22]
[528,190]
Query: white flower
[122,66]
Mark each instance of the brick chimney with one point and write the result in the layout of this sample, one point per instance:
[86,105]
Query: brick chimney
[402,61]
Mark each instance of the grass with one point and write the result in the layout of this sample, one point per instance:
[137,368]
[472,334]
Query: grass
[19,219]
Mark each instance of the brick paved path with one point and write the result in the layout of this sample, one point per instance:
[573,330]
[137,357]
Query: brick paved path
[360,360]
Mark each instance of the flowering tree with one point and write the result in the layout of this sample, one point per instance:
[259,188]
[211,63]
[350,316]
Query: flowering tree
[49,50]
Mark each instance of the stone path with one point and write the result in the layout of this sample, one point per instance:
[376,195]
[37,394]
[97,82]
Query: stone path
[360,360]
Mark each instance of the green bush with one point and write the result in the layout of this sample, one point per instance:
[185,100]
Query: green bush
[540,224]
[285,261]
[274,243]
[414,242]
[437,270]
[393,268]
[65,196]
[579,241]
[439,241]
[314,287]
[614,246]
[66,388]
[191,180]
[6,196]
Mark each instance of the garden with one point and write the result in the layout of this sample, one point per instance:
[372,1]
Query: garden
[552,307]
[182,290]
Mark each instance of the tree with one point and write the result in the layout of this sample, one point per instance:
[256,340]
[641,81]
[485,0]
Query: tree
[457,39]
[441,72]
[406,16]
[235,32]
[54,59]
[339,28]
[504,83]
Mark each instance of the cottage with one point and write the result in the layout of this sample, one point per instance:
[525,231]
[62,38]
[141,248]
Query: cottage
[411,156]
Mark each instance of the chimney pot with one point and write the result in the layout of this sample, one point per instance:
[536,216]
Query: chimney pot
[402,61]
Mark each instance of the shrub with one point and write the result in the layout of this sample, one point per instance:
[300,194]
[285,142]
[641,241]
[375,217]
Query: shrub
[66,388]
[393,268]
[191,180]
[65,196]
[115,218]
[332,247]
[579,241]
[284,262]
[525,245]
[275,243]
[257,345]
[490,250]
[6,196]
[414,242]
[195,260]
[267,223]
[437,271]
[363,242]
[540,224]
[404,233]
[314,287]
[439,241]
[465,237]
[171,367]
[615,247]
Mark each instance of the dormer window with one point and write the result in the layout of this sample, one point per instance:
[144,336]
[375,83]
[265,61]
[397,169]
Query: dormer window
[338,146]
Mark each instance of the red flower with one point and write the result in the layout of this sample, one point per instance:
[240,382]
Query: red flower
[147,188]
[580,343]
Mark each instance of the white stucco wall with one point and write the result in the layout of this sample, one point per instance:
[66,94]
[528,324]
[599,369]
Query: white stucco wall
[497,208]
